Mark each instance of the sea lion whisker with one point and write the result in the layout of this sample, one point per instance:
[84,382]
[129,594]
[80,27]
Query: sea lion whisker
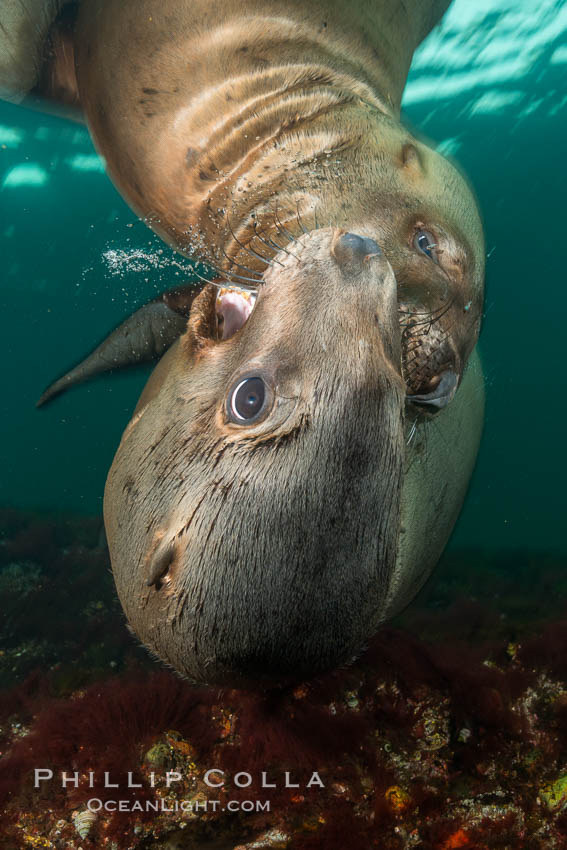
[257,281]
[248,248]
[431,316]
[275,259]
[299,219]
[223,282]
[423,328]
[240,266]
[412,431]
[410,312]
[282,228]
[445,307]
[271,244]
[230,276]
[267,242]
[413,345]
[218,283]
[280,232]
[275,244]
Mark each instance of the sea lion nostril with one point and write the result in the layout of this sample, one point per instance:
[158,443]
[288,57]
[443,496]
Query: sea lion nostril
[349,247]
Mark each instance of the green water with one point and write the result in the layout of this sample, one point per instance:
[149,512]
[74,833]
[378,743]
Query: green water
[490,88]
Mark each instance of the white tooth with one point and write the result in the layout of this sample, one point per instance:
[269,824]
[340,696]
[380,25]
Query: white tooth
[234,305]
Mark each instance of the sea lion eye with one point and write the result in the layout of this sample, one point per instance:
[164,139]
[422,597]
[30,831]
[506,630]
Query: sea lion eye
[424,242]
[247,400]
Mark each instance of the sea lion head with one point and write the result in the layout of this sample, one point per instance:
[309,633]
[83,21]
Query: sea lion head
[252,509]
[420,208]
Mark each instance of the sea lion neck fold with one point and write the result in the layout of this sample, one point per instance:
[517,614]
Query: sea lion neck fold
[233,92]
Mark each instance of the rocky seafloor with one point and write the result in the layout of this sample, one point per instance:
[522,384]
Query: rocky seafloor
[449,732]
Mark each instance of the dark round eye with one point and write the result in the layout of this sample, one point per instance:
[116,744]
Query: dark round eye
[424,242]
[248,399]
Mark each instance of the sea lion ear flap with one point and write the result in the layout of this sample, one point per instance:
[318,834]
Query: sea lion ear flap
[202,328]
[410,157]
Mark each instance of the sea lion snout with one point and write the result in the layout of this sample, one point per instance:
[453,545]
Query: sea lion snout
[350,248]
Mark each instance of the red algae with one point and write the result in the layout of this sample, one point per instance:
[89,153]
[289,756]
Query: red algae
[449,732]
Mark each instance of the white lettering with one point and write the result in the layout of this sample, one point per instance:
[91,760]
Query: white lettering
[172,776]
[247,780]
[265,783]
[131,783]
[70,780]
[208,781]
[315,780]
[289,784]
[40,775]
[107,782]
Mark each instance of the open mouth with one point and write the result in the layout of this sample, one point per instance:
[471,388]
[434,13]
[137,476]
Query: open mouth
[233,308]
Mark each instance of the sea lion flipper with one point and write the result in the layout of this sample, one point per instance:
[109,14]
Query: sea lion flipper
[142,337]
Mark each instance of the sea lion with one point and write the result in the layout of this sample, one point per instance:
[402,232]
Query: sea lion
[297,461]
